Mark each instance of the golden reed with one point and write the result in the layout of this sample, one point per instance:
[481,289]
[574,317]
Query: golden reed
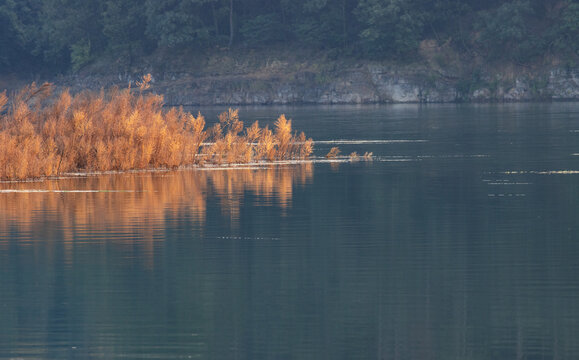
[42,135]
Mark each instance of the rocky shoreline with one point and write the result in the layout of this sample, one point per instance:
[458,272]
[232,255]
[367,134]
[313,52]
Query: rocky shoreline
[368,84]
[289,77]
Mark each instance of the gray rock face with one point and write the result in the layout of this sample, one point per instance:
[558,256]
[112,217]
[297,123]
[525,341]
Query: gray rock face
[564,84]
[520,91]
[363,84]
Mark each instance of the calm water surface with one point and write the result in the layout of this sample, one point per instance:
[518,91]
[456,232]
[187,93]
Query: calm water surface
[459,241]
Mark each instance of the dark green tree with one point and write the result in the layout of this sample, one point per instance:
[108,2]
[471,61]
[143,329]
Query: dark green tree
[10,36]
[326,23]
[180,22]
[390,27]
[503,30]
[72,31]
[18,29]
[564,34]
[124,25]
[443,18]
[263,29]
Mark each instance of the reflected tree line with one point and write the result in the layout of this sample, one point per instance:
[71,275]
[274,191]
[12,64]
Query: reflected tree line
[68,34]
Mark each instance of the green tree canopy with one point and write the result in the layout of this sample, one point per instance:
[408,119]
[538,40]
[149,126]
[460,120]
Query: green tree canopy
[390,26]
[67,34]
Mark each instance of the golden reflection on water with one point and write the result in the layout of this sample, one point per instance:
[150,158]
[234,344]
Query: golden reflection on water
[132,208]
[272,184]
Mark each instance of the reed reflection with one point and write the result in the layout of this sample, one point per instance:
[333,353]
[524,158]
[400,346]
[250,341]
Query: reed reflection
[132,208]
[273,185]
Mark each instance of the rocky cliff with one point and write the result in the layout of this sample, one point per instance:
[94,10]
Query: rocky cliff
[359,84]
[292,76]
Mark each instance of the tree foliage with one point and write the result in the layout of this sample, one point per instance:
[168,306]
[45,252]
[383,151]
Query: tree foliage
[69,25]
[67,34]
[564,36]
[177,22]
[18,29]
[391,26]
[504,27]
[124,23]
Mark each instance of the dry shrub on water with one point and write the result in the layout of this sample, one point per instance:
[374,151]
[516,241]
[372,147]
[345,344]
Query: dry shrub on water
[283,134]
[333,153]
[229,145]
[266,145]
[126,129]
[233,145]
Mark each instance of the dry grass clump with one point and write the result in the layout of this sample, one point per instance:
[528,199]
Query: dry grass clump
[234,144]
[43,135]
[333,153]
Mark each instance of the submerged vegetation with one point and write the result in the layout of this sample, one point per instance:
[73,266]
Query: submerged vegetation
[42,134]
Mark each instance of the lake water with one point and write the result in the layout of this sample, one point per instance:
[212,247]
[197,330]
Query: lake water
[460,240]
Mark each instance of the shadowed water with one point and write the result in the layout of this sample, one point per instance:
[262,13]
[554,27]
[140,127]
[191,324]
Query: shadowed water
[458,241]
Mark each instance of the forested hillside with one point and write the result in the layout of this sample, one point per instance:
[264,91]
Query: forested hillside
[65,35]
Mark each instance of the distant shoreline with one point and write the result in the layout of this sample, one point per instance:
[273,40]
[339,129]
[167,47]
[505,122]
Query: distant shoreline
[240,78]
[367,84]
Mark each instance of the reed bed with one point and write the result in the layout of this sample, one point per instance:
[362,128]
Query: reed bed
[43,135]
